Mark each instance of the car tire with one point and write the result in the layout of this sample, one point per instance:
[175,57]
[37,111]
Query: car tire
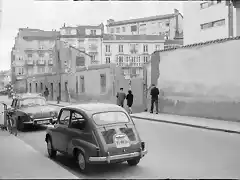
[81,161]
[133,162]
[20,125]
[51,152]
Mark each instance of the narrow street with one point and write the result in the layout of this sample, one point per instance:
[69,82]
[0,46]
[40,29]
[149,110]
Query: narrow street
[174,152]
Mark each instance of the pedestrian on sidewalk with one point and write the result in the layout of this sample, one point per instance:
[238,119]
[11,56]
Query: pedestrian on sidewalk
[121,97]
[46,93]
[14,126]
[129,101]
[154,100]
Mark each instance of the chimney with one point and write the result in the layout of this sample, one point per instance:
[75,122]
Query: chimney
[110,21]
[176,11]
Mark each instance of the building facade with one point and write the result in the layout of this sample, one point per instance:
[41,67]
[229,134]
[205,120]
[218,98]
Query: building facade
[32,53]
[212,20]
[130,52]
[169,25]
[85,38]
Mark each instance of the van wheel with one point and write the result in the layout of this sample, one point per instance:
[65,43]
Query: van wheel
[133,162]
[51,152]
[82,164]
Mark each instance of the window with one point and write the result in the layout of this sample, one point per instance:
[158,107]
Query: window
[145,48]
[213,24]
[112,30]
[157,47]
[33,102]
[13,103]
[82,84]
[118,30]
[145,59]
[108,48]
[29,55]
[93,32]
[134,28]
[120,48]
[76,84]
[30,87]
[41,86]
[108,60]
[123,29]
[50,55]
[110,118]
[103,83]
[77,121]
[219,1]
[120,59]
[65,117]
[93,58]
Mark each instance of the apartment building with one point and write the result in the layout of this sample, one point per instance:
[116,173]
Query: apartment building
[32,53]
[86,38]
[130,52]
[168,25]
[209,20]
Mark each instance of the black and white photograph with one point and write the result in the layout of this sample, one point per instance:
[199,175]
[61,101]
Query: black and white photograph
[119,89]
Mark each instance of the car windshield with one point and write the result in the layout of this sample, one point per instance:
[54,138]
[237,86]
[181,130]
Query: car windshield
[33,102]
[110,118]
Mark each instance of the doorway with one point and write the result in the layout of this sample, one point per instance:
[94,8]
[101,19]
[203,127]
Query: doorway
[51,91]
[30,87]
[36,87]
[59,91]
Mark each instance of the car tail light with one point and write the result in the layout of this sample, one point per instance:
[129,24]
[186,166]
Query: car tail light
[143,145]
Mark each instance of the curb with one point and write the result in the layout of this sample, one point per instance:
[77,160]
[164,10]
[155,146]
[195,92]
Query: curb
[189,125]
[177,123]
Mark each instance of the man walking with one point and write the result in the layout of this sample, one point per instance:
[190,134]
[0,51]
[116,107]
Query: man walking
[121,97]
[154,100]
[46,93]
[129,101]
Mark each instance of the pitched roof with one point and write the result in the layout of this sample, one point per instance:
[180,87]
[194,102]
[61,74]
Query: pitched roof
[145,19]
[217,41]
[39,35]
[109,37]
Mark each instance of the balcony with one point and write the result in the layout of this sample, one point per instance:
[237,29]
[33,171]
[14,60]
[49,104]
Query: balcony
[20,76]
[50,62]
[30,62]
[108,53]
[41,62]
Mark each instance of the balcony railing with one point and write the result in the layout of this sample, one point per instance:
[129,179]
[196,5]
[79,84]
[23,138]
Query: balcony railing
[30,62]
[40,62]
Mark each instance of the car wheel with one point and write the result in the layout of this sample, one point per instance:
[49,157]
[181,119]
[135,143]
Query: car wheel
[51,152]
[82,164]
[133,162]
[20,125]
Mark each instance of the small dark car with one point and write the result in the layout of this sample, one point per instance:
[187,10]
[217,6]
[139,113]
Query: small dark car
[95,133]
[31,109]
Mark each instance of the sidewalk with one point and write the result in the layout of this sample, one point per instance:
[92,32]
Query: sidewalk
[19,160]
[211,124]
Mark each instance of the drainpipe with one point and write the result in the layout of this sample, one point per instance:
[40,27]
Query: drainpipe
[230,19]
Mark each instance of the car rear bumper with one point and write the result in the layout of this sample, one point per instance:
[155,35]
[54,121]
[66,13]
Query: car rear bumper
[108,159]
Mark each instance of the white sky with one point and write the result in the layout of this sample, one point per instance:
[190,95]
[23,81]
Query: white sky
[51,15]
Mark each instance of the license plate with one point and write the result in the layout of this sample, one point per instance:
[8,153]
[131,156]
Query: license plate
[42,122]
[122,142]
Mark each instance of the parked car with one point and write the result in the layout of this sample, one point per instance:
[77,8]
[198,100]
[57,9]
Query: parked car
[95,133]
[31,109]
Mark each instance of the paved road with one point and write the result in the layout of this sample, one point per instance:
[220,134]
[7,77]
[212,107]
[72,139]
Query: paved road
[174,152]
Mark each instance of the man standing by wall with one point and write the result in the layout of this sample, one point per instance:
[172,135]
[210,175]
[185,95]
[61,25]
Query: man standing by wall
[121,97]
[154,100]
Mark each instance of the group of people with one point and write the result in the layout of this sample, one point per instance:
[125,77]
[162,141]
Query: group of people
[121,96]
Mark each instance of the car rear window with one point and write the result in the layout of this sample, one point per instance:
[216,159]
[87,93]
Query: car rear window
[104,118]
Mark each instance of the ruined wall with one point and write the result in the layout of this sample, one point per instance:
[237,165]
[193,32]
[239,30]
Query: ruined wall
[201,81]
[93,91]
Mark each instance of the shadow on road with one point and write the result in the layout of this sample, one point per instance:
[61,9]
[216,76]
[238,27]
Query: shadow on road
[97,171]
[30,128]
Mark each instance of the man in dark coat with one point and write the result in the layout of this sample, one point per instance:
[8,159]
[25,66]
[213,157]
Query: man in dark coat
[46,93]
[121,97]
[129,101]
[154,100]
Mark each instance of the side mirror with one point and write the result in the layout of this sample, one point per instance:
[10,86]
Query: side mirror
[54,122]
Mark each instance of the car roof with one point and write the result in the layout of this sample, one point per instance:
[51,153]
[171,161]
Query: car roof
[27,95]
[96,107]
